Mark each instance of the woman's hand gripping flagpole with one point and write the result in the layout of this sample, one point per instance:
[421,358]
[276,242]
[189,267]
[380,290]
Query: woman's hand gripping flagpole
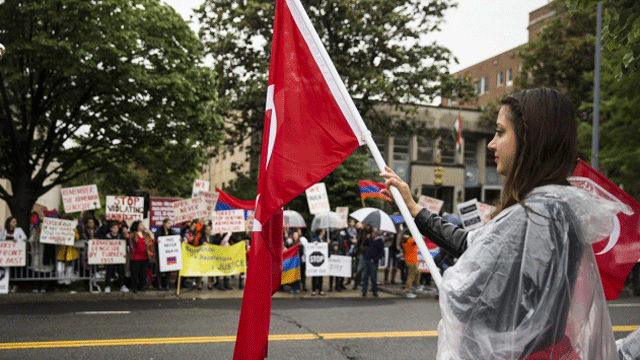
[404,210]
[350,108]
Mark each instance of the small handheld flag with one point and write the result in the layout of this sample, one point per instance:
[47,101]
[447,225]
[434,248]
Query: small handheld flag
[372,189]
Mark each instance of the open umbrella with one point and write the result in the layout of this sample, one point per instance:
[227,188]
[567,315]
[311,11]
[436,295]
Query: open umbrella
[376,218]
[326,220]
[293,219]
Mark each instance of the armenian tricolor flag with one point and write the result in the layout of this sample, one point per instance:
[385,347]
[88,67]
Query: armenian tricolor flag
[228,202]
[290,265]
[372,189]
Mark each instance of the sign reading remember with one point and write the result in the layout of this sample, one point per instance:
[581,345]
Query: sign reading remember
[58,231]
[13,253]
[106,252]
[80,198]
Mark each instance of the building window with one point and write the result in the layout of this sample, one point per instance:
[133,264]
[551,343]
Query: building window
[447,150]
[425,148]
[500,78]
[471,152]
[509,76]
[380,143]
[401,148]
[482,85]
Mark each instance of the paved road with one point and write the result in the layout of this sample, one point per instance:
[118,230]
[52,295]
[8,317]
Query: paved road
[309,328]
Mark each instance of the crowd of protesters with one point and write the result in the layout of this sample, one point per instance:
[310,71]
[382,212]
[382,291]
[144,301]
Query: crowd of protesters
[363,243]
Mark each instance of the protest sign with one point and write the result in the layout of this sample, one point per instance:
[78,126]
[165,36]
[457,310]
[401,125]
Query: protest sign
[211,198]
[470,215]
[431,204]
[339,265]
[317,255]
[4,280]
[58,231]
[250,218]
[213,260]
[199,185]
[317,199]
[124,208]
[228,221]
[107,252]
[169,253]
[160,209]
[343,213]
[80,198]
[13,253]
[189,209]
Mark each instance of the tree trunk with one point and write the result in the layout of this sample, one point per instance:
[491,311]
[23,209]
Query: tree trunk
[21,203]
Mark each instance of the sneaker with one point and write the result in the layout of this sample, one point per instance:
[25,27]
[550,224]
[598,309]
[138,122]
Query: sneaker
[34,290]
[124,289]
[107,289]
[410,295]
[43,290]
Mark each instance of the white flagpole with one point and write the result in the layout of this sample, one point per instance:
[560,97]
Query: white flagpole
[368,139]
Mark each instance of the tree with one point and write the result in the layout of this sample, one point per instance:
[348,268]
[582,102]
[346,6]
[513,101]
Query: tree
[374,44]
[87,86]
[620,30]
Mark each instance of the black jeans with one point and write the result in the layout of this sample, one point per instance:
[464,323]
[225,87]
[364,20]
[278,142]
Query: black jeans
[110,270]
[316,283]
[139,273]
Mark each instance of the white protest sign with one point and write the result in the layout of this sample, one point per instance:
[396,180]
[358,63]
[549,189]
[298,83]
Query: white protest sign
[189,209]
[470,215]
[485,211]
[169,253]
[121,208]
[317,257]
[343,213]
[4,280]
[432,204]
[199,185]
[13,253]
[107,252]
[160,209]
[250,219]
[317,199]
[339,265]
[211,198]
[80,198]
[58,231]
[228,221]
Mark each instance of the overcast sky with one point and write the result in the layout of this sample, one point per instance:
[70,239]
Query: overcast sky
[474,31]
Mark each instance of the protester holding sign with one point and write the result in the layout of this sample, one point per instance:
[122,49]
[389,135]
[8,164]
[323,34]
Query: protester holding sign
[316,281]
[526,285]
[42,255]
[66,257]
[162,278]
[111,269]
[11,231]
[142,254]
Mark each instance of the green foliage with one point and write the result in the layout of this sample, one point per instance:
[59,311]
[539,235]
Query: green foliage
[620,30]
[374,45]
[95,86]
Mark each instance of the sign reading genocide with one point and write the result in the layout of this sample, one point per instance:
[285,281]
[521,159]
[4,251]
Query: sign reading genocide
[13,253]
[124,208]
[317,255]
[107,252]
[80,198]
[228,221]
[58,231]
[169,253]
[317,199]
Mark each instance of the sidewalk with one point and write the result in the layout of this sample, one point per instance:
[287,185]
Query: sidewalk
[78,293]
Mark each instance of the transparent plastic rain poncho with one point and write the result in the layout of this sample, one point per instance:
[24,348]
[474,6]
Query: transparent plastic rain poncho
[529,280]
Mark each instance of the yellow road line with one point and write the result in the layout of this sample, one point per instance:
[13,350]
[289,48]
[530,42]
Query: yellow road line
[219,339]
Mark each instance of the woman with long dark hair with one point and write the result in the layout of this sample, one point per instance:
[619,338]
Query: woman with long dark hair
[525,285]
[142,254]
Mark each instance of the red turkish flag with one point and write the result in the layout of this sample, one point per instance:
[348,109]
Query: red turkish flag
[618,253]
[308,131]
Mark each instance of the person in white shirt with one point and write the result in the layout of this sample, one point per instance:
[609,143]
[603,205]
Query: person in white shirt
[11,231]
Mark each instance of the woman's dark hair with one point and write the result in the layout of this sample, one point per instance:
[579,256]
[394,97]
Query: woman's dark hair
[135,226]
[546,153]
[7,222]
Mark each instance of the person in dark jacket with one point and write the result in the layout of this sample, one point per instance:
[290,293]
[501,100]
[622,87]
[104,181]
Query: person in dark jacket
[374,252]
[114,269]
